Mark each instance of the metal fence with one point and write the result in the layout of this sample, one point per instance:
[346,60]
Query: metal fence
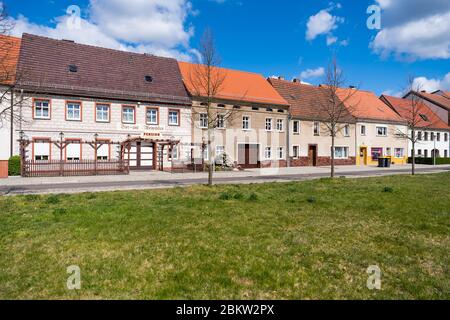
[54,168]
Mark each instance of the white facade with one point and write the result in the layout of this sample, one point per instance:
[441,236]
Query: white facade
[430,140]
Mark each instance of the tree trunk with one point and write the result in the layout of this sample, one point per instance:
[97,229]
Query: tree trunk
[211,162]
[332,156]
[413,167]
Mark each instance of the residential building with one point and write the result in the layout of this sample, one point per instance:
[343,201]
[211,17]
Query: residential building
[377,128]
[438,102]
[310,139]
[431,131]
[79,94]
[254,133]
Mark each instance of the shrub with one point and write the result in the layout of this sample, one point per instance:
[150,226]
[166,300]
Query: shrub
[388,189]
[52,200]
[253,197]
[430,161]
[14,166]
[224,196]
[311,200]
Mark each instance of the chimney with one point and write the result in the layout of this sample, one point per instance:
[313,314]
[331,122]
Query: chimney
[280,78]
[424,91]
[296,80]
[352,87]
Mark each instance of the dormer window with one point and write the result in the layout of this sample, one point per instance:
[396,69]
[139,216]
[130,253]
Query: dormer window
[73,68]
[148,79]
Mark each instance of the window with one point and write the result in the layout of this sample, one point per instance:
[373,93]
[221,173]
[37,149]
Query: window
[102,113]
[419,135]
[41,151]
[280,153]
[103,152]
[341,152]
[73,111]
[203,120]
[220,121]
[268,153]
[376,153]
[363,130]
[220,151]
[438,136]
[388,152]
[445,153]
[382,131]
[399,152]
[425,153]
[433,136]
[246,123]
[316,128]
[268,124]
[128,115]
[295,151]
[206,153]
[152,116]
[73,151]
[425,136]
[280,125]
[42,109]
[445,137]
[419,152]
[296,127]
[174,117]
[347,130]
[173,153]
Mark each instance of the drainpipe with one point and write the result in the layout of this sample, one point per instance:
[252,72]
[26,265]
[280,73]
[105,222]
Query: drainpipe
[11,138]
[288,139]
[357,152]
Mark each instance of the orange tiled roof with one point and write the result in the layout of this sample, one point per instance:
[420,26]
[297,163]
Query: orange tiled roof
[435,98]
[237,86]
[9,56]
[403,108]
[366,105]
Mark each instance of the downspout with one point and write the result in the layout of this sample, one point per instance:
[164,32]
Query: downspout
[11,138]
[357,155]
[288,139]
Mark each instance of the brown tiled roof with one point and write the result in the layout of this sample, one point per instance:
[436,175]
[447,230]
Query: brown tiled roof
[436,99]
[9,55]
[305,100]
[237,86]
[102,72]
[426,117]
[365,105]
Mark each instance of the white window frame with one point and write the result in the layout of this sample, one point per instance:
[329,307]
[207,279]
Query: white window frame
[220,121]
[385,128]
[171,112]
[347,149]
[280,125]
[347,130]
[246,121]
[42,108]
[128,113]
[268,153]
[44,156]
[298,151]
[280,153]
[156,115]
[316,123]
[108,109]
[363,130]
[203,120]
[70,105]
[402,153]
[269,124]
[298,127]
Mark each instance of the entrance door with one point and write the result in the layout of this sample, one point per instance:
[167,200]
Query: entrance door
[312,156]
[248,155]
[363,156]
[141,156]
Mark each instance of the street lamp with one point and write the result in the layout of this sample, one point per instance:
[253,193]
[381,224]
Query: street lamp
[96,136]
[21,135]
[61,136]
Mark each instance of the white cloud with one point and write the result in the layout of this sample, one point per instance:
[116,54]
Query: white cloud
[312,73]
[414,29]
[431,85]
[323,23]
[157,27]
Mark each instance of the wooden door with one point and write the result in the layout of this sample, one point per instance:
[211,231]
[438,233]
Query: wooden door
[312,156]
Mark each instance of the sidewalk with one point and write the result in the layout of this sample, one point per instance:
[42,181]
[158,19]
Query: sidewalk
[161,177]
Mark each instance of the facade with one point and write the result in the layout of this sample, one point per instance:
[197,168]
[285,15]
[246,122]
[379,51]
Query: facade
[310,140]
[377,128]
[254,133]
[432,132]
[82,94]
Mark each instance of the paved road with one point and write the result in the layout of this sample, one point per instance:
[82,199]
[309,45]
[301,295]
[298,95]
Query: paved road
[155,184]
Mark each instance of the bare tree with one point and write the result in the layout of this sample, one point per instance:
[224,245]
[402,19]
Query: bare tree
[336,107]
[413,115]
[206,81]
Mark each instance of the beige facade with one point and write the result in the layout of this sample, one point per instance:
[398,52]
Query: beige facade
[376,139]
[244,137]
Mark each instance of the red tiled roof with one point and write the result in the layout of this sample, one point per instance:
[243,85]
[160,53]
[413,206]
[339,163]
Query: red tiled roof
[9,56]
[305,100]
[237,86]
[403,108]
[366,105]
[433,98]
[102,72]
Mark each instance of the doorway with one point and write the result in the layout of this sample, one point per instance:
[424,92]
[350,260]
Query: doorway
[363,156]
[312,155]
[248,156]
[141,156]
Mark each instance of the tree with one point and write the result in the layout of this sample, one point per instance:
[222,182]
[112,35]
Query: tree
[206,80]
[414,119]
[336,107]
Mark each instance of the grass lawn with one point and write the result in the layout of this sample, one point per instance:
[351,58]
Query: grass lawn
[303,240]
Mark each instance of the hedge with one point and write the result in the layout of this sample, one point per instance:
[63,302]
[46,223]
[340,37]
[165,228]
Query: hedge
[14,166]
[430,161]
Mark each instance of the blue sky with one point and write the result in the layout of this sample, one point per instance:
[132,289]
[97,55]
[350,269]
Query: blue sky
[285,37]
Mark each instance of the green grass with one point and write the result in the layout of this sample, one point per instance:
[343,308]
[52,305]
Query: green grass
[305,240]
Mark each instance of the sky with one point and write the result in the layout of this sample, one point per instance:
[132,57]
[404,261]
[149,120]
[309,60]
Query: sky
[290,38]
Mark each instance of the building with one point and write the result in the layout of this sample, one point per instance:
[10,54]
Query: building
[310,140]
[254,133]
[377,128]
[438,101]
[130,105]
[432,132]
